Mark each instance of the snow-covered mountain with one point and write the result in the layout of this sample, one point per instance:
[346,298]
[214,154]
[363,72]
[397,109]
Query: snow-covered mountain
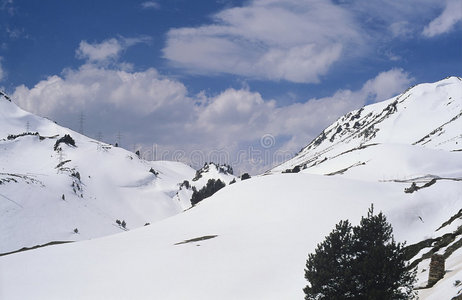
[414,139]
[251,239]
[52,190]
[424,119]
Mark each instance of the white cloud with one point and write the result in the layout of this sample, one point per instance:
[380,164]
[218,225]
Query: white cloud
[387,84]
[451,15]
[290,40]
[91,87]
[150,5]
[106,51]
[241,117]
[301,40]
[109,49]
[148,107]
[234,113]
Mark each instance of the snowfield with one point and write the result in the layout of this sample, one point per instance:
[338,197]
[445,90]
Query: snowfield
[265,227]
[251,239]
[46,194]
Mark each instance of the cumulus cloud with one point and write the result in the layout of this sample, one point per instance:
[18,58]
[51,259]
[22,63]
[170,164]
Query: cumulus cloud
[386,84]
[141,93]
[142,105]
[291,40]
[451,15]
[150,109]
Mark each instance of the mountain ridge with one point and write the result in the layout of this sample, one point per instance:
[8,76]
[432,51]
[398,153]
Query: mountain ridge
[374,124]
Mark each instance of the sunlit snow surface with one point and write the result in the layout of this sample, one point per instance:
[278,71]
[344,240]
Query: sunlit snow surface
[41,201]
[252,238]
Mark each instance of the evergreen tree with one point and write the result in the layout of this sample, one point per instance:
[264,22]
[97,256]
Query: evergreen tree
[361,262]
[208,190]
[382,270]
[329,269]
[245,176]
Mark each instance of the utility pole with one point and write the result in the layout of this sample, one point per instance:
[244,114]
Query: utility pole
[119,138]
[81,121]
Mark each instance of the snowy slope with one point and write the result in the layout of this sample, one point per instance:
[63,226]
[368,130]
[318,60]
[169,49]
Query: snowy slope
[264,227]
[251,239]
[414,138]
[425,118]
[45,194]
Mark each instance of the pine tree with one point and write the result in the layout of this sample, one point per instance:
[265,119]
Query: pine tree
[380,263]
[329,269]
[245,176]
[361,262]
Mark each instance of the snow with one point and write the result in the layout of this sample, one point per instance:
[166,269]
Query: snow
[114,184]
[260,231]
[433,110]
[265,228]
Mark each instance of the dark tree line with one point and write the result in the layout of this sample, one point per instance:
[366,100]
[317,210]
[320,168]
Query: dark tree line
[208,190]
[66,139]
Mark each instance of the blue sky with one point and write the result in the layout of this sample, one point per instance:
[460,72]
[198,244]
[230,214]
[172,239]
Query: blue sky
[214,80]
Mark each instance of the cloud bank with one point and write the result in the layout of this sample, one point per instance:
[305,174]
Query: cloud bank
[147,108]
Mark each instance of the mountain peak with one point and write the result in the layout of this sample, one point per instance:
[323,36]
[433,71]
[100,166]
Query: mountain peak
[427,115]
[213,167]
